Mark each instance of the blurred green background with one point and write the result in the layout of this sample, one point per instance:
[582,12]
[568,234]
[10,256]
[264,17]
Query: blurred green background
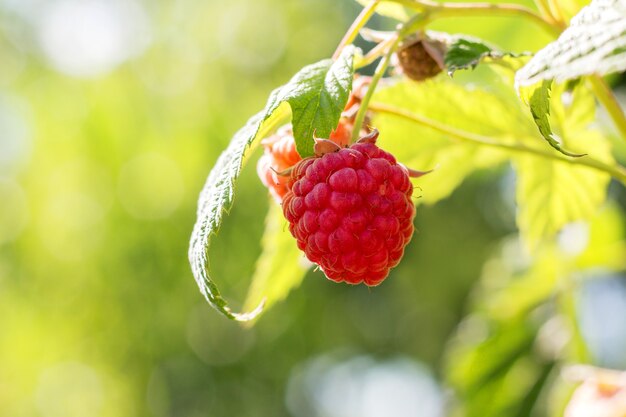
[111,115]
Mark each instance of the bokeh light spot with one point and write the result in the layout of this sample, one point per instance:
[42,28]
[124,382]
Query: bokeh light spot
[15,133]
[247,38]
[87,38]
[13,211]
[602,309]
[77,196]
[69,389]
[214,340]
[150,186]
[172,64]
[361,386]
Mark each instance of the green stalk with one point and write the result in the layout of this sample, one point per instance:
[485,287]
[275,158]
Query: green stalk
[604,94]
[568,305]
[616,171]
[356,26]
[408,27]
[480,9]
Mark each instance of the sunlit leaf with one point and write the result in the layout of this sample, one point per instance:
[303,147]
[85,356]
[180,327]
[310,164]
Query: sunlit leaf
[467,52]
[317,95]
[552,193]
[595,43]
[280,267]
[539,104]
[422,147]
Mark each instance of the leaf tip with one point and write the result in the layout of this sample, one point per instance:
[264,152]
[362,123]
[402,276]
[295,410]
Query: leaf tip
[249,316]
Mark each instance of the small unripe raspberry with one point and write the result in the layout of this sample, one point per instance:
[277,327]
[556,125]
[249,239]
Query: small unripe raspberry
[281,154]
[351,212]
[421,59]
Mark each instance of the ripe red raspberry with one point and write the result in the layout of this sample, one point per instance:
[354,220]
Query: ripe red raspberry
[351,211]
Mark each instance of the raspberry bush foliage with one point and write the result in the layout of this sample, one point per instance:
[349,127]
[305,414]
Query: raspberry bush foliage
[346,143]
[426,119]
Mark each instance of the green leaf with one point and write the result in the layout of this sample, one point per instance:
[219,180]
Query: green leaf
[570,8]
[595,43]
[540,109]
[552,193]
[395,11]
[216,198]
[280,267]
[492,363]
[421,147]
[492,371]
[317,95]
[467,52]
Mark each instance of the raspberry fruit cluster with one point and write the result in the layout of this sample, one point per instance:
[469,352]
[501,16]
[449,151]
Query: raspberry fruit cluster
[350,210]
[280,152]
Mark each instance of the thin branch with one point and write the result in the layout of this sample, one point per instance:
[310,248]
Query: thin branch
[480,9]
[605,95]
[618,172]
[356,26]
[406,28]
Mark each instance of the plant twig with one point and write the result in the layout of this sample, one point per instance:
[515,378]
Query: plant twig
[616,171]
[446,9]
[356,26]
[411,25]
[604,94]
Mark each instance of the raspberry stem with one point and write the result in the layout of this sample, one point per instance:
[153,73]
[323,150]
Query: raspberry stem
[481,9]
[356,26]
[616,171]
[417,22]
[605,96]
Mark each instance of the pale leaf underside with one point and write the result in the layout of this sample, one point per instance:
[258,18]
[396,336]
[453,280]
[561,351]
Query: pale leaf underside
[317,95]
[595,43]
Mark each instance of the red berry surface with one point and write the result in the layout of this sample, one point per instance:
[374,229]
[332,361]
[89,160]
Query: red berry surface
[351,212]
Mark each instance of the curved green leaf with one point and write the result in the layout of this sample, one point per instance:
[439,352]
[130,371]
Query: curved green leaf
[551,193]
[540,109]
[216,198]
[317,95]
[281,266]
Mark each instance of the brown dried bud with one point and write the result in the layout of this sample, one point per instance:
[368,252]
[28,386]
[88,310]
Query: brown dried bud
[421,59]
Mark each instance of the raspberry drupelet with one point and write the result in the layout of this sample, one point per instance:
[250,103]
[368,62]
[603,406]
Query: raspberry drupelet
[350,210]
